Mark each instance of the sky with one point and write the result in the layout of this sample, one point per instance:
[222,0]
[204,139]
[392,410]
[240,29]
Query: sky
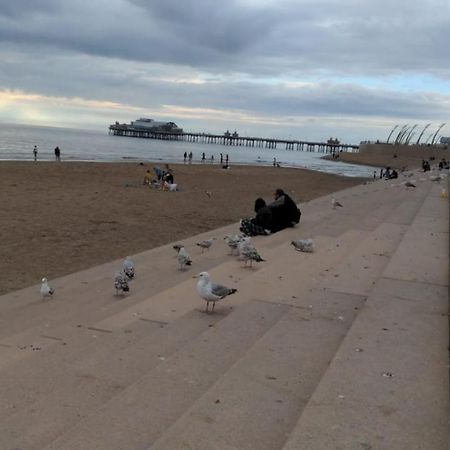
[294,69]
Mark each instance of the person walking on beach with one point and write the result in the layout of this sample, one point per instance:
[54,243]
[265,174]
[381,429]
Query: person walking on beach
[221,158]
[190,157]
[203,157]
[185,157]
[35,152]
[57,154]
[226,159]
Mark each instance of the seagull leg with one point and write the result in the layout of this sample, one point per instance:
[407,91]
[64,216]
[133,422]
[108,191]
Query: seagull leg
[207,304]
[214,304]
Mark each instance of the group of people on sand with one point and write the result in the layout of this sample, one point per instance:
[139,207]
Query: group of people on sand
[162,179]
[388,173]
[270,218]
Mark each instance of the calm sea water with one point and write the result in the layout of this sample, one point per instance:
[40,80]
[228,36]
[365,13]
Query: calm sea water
[17,142]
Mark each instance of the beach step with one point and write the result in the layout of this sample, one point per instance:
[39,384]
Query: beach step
[269,387]
[327,312]
[145,409]
[45,404]
[387,386]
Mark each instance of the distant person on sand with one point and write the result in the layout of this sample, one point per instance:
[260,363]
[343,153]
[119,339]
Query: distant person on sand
[190,157]
[35,152]
[221,158]
[147,178]
[261,224]
[285,212]
[203,157]
[184,157]
[226,159]
[57,154]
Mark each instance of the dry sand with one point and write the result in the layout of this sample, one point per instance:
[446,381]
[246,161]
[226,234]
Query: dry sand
[58,218]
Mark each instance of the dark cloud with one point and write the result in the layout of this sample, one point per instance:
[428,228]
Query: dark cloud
[285,58]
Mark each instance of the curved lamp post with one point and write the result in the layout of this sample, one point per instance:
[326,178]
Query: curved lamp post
[423,131]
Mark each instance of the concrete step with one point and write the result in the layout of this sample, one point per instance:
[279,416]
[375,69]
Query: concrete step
[144,410]
[115,358]
[297,350]
[387,386]
[258,401]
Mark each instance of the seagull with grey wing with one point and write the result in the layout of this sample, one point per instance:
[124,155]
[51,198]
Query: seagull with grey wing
[206,244]
[247,252]
[46,290]
[128,268]
[233,242]
[211,292]
[121,283]
[183,256]
[335,204]
[303,245]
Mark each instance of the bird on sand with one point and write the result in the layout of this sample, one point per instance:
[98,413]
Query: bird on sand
[208,193]
[205,244]
[247,251]
[409,184]
[211,292]
[46,290]
[128,268]
[121,283]
[183,256]
[335,204]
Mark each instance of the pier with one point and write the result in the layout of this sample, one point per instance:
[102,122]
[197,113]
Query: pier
[232,140]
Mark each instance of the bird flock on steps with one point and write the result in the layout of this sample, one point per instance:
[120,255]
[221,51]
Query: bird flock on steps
[239,245]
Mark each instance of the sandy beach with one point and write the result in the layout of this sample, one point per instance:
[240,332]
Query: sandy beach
[58,218]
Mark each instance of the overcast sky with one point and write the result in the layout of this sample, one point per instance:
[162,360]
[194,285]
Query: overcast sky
[350,69]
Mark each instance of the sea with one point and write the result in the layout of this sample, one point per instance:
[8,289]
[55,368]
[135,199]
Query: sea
[17,143]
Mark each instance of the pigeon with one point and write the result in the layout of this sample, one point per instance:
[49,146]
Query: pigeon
[409,184]
[46,290]
[211,292]
[206,244]
[233,242]
[128,268]
[183,257]
[335,204]
[248,252]
[121,283]
[303,245]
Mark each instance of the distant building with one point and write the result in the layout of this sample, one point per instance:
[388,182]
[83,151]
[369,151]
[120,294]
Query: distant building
[153,125]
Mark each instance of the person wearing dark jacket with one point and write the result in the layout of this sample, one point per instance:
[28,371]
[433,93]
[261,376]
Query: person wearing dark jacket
[284,211]
[261,224]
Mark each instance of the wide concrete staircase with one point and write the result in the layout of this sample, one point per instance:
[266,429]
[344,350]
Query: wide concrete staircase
[343,348]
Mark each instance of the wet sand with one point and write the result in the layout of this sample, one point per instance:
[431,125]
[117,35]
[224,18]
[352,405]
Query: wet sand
[58,218]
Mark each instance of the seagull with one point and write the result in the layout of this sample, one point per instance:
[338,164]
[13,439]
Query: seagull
[46,290]
[128,268]
[335,203]
[206,244]
[121,283]
[183,257]
[408,184]
[211,292]
[208,193]
[248,252]
[303,245]
[233,242]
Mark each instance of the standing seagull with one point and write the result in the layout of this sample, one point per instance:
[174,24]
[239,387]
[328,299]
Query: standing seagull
[128,268]
[233,242]
[46,290]
[206,244]
[121,283]
[211,292]
[335,204]
[183,257]
[247,251]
